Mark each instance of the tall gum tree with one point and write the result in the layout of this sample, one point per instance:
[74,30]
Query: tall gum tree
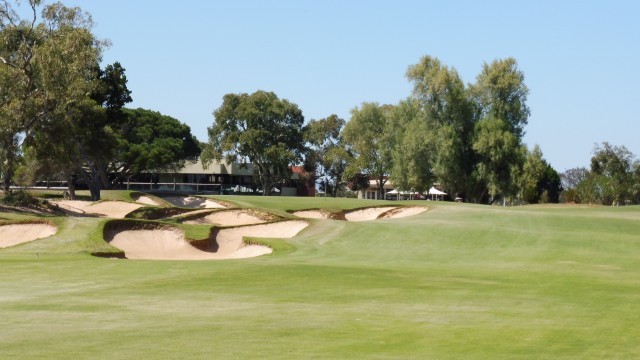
[367,137]
[448,119]
[614,163]
[500,92]
[51,61]
[259,128]
[500,157]
[325,150]
[412,151]
[499,99]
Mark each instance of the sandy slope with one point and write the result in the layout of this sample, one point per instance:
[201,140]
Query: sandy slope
[146,201]
[367,214]
[402,212]
[14,234]
[312,214]
[157,245]
[110,209]
[230,240]
[193,202]
[228,218]
[170,244]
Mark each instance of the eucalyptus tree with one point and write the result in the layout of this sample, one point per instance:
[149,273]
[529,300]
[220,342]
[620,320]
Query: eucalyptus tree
[500,157]
[539,182]
[572,177]
[445,129]
[259,128]
[413,146]
[51,63]
[18,41]
[500,93]
[366,136]
[613,177]
[326,151]
[616,165]
[499,98]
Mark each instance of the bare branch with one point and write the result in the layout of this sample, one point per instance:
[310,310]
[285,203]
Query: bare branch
[7,13]
[4,61]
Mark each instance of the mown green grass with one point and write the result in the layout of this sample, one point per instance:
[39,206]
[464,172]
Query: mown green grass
[456,282]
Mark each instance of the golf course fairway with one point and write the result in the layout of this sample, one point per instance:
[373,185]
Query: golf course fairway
[457,281]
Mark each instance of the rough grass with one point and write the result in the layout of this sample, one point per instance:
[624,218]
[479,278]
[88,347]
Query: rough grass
[457,282]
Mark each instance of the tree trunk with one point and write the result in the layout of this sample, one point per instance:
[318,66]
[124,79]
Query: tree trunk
[93,177]
[104,177]
[381,183]
[71,187]
[334,190]
[94,185]
[8,166]
[6,180]
[266,187]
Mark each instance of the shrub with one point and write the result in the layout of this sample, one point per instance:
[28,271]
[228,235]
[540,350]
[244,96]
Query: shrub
[19,198]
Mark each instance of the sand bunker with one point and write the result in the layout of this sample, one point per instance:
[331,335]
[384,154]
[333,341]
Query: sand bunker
[110,209]
[230,241]
[227,218]
[402,212]
[146,201]
[170,244]
[15,234]
[312,214]
[163,244]
[193,202]
[374,213]
[367,214]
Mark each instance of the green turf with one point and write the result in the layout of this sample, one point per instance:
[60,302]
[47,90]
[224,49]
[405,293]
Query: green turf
[456,282]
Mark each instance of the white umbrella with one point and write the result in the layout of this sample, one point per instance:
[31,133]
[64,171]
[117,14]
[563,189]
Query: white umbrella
[433,191]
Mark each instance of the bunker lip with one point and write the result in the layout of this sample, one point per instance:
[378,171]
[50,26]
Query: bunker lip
[156,241]
[403,211]
[108,209]
[194,202]
[146,199]
[21,232]
[318,214]
[230,217]
[362,214]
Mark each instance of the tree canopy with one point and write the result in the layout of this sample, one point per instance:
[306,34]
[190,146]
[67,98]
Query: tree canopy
[326,153]
[612,178]
[261,129]
[467,139]
[69,111]
[46,71]
[366,136]
[150,141]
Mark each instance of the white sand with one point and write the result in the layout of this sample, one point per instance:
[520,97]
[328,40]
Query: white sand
[147,201]
[109,209]
[402,212]
[156,245]
[193,202]
[312,214]
[231,240]
[228,218]
[15,234]
[170,244]
[366,214]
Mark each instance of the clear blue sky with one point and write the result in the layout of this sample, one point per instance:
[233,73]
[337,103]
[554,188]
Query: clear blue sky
[580,58]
